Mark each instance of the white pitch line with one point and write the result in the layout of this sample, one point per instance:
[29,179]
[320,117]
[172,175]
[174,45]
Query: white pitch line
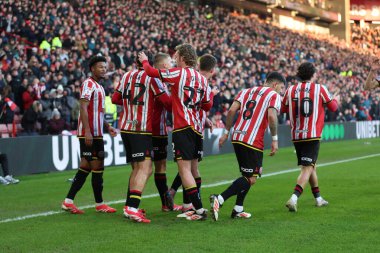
[205,186]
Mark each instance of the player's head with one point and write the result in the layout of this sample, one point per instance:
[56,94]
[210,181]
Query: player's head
[98,66]
[162,61]
[150,59]
[185,56]
[276,81]
[207,64]
[306,71]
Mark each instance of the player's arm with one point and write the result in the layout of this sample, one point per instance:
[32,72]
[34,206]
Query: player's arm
[208,99]
[229,121]
[166,100]
[331,102]
[272,121]
[285,103]
[169,76]
[111,130]
[117,98]
[84,118]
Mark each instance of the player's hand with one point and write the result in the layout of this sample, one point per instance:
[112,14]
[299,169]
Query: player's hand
[222,140]
[208,124]
[142,57]
[88,138]
[112,131]
[215,90]
[336,96]
[274,148]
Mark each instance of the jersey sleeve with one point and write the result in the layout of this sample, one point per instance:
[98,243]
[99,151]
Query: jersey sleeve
[87,90]
[157,86]
[239,98]
[171,76]
[120,86]
[325,94]
[275,102]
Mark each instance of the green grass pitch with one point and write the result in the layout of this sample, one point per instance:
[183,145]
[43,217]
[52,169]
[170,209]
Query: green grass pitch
[351,223]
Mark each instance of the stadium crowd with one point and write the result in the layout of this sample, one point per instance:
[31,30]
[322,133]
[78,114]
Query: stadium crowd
[45,47]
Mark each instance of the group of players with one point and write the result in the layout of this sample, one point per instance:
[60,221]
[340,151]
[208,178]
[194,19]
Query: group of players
[145,98]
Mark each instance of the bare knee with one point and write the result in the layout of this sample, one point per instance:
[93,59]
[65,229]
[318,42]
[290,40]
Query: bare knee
[251,180]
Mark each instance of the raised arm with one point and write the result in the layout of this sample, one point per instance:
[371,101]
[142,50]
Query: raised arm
[372,81]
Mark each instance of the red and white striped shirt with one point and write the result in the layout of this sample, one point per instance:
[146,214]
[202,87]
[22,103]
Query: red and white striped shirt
[138,91]
[190,92]
[160,114]
[93,92]
[253,116]
[305,103]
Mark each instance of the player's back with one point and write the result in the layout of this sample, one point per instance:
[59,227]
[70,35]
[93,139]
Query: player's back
[252,120]
[306,102]
[188,94]
[138,101]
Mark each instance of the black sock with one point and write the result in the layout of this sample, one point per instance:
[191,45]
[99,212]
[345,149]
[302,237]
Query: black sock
[298,190]
[192,193]
[97,185]
[160,181]
[198,180]
[177,182]
[185,197]
[240,184]
[4,164]
[315,191]
[134,198]
[126,200]
[241,196]
[78,182]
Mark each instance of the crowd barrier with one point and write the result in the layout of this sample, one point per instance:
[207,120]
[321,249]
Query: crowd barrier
[38,154]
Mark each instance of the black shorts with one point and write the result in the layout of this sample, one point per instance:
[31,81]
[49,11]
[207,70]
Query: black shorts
[250,160]
[307,152]
[138,147]
[160,144]
[187,145]
[93,152]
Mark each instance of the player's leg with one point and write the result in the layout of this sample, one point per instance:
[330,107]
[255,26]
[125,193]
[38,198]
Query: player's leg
[177,182]
[307,153]
[78,181]
[319,201]
[238,210]
[188,182]
[7,179]
[140,147]
[249,162]
[185,154]
[196,174]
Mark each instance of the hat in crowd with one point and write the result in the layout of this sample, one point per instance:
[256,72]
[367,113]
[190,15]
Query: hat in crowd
[43,80]
[52,92]
[60,87]
[55,113]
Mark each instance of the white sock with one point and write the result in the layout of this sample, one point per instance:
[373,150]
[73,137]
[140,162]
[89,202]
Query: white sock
[238,209]
[133,209]
[200,211]
[69,201]
[184,205]
[319,198]
[99,204]
[294,198]
[220,199]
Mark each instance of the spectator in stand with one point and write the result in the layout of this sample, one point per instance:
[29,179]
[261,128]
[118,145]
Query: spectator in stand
[57,124]
[31,118]
[217,120]
[28,97]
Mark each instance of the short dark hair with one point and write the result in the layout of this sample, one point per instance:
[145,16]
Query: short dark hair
[207,62]
[159,57]
[95,59]
[306,71]
[150,59]
[188,54]
[275,77]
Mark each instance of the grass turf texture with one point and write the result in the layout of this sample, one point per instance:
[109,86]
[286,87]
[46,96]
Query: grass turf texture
[349,224]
